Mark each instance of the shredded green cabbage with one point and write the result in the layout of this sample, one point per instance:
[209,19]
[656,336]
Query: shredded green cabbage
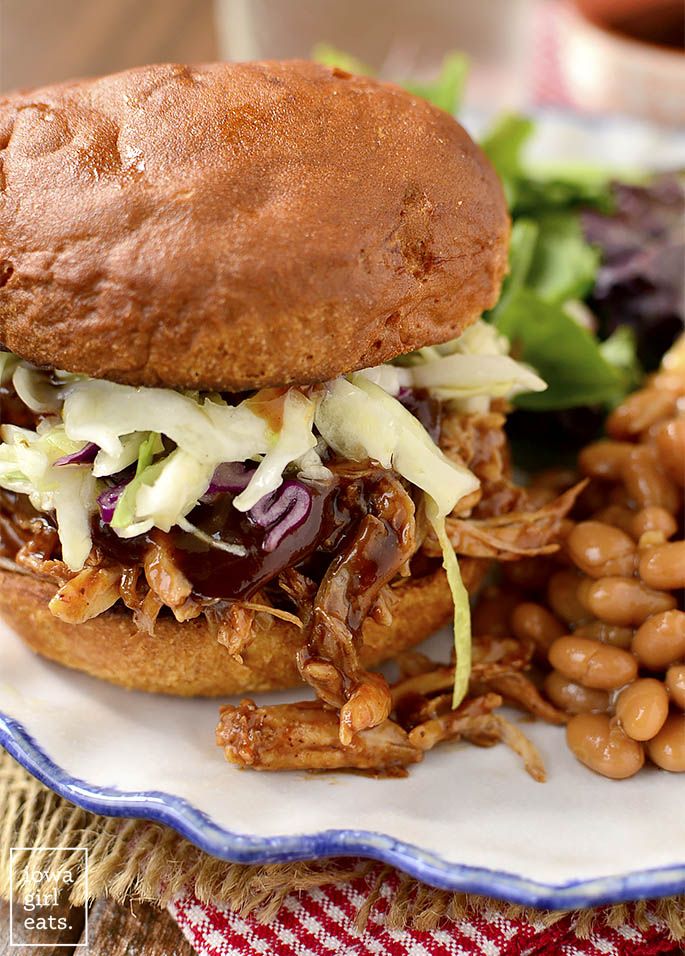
[125,511]
[295,439]
[35,389]
[470,370]
[459,376]
[27,461]
[460,600]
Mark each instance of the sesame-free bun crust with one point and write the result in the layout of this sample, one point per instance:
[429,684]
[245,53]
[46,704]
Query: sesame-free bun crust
[186,659]
[228,226]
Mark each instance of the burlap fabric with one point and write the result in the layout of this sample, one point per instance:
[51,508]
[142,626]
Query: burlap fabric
[141,860]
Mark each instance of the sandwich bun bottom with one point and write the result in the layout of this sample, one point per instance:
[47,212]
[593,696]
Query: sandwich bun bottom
[186,659]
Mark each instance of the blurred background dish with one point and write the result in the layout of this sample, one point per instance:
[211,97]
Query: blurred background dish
[625,56]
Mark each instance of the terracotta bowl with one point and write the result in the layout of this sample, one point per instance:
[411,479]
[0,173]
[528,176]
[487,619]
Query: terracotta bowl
[612,60]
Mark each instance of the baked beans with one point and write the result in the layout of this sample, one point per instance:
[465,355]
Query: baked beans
[642,708]
[600,550]
[557,479]
[533,622]
[607,634]
[670,443]
[532,574]
[602,745]
[605,607]
[653,518]
[573,697]
[660,641]
[663,567]
[619,496]
[667,749]
[491,614]
[650,539]
[604,459]
[645,483]
[625,601]
[562,595]
[637,412]
[616,515]
[591,663]
[675,684]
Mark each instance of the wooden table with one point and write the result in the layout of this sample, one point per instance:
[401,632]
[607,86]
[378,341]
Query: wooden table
[136,929]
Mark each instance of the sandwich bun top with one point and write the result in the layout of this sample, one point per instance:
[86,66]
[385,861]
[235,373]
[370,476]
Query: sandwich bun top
[230,226]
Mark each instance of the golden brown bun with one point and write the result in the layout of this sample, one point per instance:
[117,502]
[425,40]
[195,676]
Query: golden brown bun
[185,659]
[228,226]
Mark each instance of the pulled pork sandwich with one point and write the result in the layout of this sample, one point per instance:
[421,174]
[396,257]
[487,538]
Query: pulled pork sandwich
[247,408]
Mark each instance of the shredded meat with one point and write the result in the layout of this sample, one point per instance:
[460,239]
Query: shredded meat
[86,595]
[352,573]
[162,573]
[301,590]
[233,627]
[146,614]
[382,543]
[305,737]
[412,663]
[479,442]
[28,541]
[509,537]
[519,689]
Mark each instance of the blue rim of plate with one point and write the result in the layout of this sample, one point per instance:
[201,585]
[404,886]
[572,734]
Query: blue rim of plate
[200,830]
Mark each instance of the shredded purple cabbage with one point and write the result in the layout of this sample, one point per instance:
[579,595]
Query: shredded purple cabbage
[86,456]
[231,476]
[282,512]
[108,500]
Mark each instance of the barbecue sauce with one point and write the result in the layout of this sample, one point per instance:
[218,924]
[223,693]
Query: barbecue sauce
[215,573]
[338,506]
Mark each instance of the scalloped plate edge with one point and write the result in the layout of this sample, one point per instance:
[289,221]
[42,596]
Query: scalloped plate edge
[198,829]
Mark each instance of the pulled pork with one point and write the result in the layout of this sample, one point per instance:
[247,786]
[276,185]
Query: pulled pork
[365,548]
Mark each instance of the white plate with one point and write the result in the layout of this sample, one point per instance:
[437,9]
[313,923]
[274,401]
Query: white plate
[466,818]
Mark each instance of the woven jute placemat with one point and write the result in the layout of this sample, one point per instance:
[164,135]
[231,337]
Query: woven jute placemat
[136,859]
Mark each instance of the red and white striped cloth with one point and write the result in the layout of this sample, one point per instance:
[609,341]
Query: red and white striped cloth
[320,922]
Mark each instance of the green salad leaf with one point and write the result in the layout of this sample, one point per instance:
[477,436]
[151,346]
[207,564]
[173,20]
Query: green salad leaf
[503,145]
[329,55]
[564,354]
[550,264]
[563,265]
[620,350]
[447,89]
[536,190]
[522,243]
